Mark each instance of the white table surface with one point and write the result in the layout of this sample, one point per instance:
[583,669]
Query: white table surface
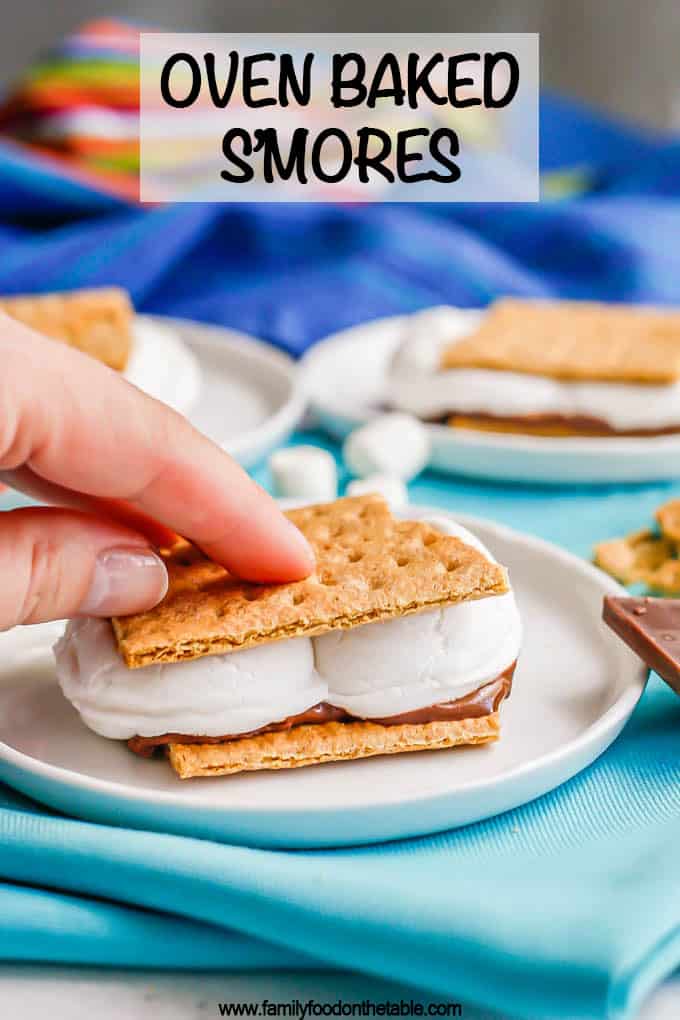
[73,993]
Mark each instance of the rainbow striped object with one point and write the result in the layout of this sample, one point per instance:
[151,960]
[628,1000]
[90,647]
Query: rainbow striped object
[79,105]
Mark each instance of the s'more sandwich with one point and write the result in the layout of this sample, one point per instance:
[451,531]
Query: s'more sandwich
[405,638]
[545,368]
[96,321]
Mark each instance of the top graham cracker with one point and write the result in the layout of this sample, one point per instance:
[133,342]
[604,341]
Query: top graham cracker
[369,567]
[577,340]
[97,322]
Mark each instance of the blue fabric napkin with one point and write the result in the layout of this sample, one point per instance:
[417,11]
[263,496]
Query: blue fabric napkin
[568,907]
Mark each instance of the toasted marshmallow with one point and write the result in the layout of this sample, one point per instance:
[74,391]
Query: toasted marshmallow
[392,489]
[304,473]
[393,444]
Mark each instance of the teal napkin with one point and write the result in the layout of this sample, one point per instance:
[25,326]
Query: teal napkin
[568,907]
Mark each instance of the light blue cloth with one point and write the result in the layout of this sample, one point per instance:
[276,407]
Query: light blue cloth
[568,907]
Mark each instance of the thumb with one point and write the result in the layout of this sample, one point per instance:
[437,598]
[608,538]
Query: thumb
[61,563]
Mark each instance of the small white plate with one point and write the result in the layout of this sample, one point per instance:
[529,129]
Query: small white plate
[162,365]
[344,378]
[575,687]
[239,391]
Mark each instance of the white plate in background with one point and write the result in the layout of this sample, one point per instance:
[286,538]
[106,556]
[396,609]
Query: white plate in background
[344,377]
[162,365]
[574,676]
[240,391]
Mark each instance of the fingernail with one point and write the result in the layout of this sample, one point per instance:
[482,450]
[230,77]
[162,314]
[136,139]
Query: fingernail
[125,581]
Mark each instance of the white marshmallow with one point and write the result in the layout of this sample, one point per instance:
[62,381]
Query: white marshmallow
[393,444]
[392,489]
[304,472]
[212,696]
[425,334]
[401,665]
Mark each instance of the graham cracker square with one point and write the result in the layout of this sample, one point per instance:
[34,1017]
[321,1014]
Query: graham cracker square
[98,322]
[573,340]
[369,567]
[327,742]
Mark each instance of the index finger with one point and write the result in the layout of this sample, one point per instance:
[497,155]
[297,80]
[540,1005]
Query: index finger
[80,426]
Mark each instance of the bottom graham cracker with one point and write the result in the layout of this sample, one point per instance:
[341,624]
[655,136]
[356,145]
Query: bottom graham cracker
[326,742]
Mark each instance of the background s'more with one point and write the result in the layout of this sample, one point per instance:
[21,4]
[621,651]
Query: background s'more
[404,639]
[97,321]
[547,368]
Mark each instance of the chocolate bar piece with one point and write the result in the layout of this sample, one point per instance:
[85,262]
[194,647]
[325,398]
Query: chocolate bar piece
[651,627]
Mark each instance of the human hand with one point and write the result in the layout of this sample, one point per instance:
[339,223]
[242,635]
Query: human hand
[123,473]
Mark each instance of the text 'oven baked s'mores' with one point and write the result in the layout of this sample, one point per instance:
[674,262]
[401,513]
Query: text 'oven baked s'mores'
[548,368]
[404,639]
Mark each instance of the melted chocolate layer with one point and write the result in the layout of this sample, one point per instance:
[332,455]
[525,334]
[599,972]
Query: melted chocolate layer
[547,425]
[483,701]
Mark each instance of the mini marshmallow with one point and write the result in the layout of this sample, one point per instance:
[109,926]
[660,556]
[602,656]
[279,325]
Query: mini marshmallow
[394,444]
[392,489]
[304,472]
